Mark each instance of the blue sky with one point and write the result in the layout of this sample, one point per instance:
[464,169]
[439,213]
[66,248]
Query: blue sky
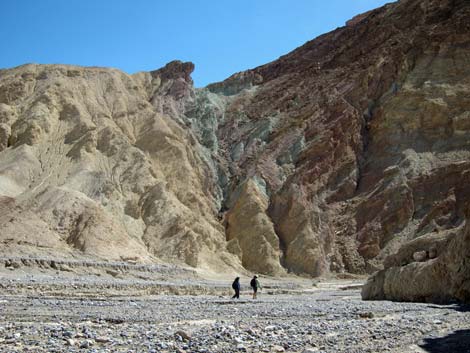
[221,37]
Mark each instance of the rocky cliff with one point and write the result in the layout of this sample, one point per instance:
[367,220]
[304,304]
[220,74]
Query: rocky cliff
[330,158]
[96,162]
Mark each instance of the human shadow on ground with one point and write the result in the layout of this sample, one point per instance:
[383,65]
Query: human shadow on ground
[456,342]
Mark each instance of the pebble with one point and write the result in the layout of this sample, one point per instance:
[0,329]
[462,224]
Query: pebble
[183,335]
[86,344]
[71,342]
[270,328]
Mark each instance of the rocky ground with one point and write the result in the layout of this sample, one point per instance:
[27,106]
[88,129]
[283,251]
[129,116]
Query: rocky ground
[43,310]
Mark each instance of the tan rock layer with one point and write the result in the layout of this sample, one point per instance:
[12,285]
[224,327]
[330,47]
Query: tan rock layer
[96,156]
[441,274]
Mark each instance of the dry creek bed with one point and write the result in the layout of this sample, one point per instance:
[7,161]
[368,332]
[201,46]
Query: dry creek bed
[321,319]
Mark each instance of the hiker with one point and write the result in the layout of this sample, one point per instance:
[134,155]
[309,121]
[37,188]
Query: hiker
[254,283]
[236,288]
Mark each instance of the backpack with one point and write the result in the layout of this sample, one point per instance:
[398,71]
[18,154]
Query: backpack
[253,283]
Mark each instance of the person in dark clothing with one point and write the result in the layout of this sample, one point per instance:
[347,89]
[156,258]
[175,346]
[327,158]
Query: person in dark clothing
[236,288]
[254,283]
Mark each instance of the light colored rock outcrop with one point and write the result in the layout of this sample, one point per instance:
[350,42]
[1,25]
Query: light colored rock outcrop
[440,279]
[97,163]
[250,230]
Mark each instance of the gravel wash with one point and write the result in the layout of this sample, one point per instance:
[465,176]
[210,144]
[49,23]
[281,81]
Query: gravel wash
[321,321]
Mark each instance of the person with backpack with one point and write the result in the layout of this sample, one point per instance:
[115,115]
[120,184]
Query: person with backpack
[236,288]
[255,285]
